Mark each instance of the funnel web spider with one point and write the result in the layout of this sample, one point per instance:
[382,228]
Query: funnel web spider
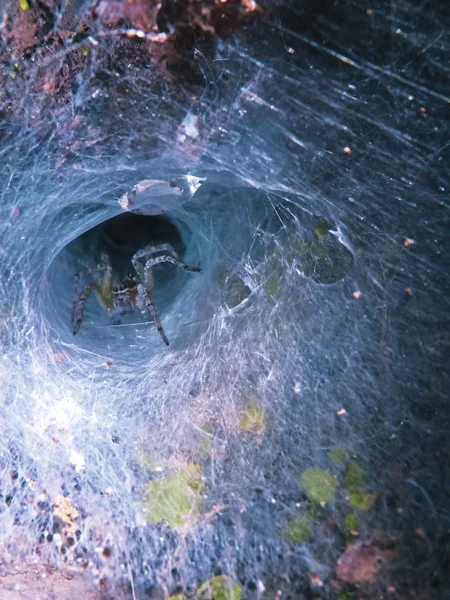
[121,295]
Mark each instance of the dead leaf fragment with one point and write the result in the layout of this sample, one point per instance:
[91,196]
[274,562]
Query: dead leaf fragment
[68,514]
[420,533]
[315,579]
[362,560]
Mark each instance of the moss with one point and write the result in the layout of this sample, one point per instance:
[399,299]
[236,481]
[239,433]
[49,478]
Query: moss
[174,499]
[253,420]
[321,227]
[353,477]
[320,485]
[272,286]
[346,596]
[353,481]
[299,530]
[351,522]
[324,259]
[337,454]
[236,291]
[219,588]
[362,501]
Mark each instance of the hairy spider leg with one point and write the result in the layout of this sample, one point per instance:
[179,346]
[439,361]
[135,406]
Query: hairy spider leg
[151,262]
[171,258]
[153,249]
[151,308]
[104,292]
[107,283]
[89,271]
[145,275]
[82,301]
[145,290]
[149,250]
[139,268]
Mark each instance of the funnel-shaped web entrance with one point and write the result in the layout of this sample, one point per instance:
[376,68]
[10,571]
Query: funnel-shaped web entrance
[292,440]
[123,260]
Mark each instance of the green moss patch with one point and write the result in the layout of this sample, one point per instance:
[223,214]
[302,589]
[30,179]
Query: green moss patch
[338,454]
[219,588]
[174,499]
[354,483]
[353,477]
[346,596]
[253,420]
[272,286]
[320,485]
[362,501]
[321,227]
[299,529]
[351,522]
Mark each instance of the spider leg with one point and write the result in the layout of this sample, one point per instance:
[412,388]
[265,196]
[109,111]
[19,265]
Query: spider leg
[138,267]
[80,306]
[106,288]
[148,250]
[151,308]
[89,271]
[170,259]
[153,249]
[148,280]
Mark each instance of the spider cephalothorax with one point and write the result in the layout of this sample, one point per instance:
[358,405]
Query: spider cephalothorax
[134,289]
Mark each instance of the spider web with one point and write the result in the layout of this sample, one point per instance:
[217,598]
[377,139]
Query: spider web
[303,395]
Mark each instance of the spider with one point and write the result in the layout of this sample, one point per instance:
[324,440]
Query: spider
[134,289]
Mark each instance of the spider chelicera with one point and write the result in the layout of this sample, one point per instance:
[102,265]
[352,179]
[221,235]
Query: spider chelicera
[134,289]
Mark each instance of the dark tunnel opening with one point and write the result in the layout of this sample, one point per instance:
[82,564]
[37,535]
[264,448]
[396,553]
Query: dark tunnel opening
[103,298]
